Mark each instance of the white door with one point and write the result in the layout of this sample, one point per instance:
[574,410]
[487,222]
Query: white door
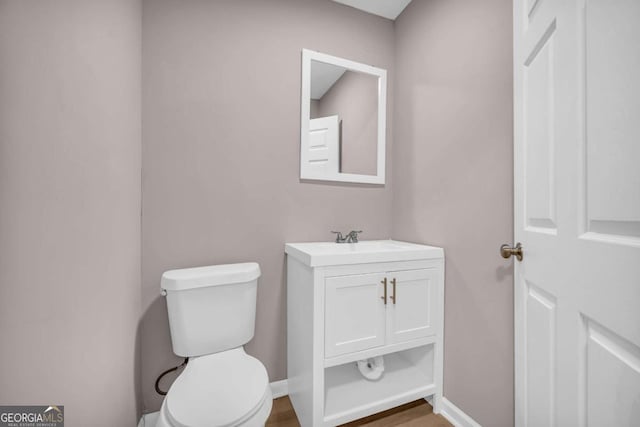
[411,305]
[577,212]
[355,317]
[323,152]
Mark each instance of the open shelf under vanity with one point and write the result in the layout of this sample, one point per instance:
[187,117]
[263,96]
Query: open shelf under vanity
[408,375]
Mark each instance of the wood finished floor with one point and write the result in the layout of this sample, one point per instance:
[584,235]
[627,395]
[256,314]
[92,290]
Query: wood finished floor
[414,414]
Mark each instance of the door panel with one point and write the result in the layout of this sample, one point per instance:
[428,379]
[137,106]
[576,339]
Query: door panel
[577,212]
[612,107]
[540,326]
[539,80]
[355,315]
[323,152]
[612,376]
[412,311]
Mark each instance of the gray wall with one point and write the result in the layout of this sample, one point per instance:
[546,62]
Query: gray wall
[70,207]
[453,182]
[221,136]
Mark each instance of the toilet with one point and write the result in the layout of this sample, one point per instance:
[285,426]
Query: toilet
[211,316]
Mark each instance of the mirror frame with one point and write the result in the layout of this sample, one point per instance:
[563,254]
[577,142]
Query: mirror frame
[305,117]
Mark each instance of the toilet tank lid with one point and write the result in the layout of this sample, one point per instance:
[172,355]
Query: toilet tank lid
[213,275]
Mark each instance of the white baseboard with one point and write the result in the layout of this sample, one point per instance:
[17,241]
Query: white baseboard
[455,415]
[149,420]
[279,388]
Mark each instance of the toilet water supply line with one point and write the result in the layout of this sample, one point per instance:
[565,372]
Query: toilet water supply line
[175,368]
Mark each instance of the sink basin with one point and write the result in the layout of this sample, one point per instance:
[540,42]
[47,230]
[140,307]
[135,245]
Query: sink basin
[317,254]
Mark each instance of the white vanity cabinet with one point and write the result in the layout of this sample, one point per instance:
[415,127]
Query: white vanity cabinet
[350,302]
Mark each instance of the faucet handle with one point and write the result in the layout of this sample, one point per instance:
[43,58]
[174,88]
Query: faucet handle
[339,237]
[353,236]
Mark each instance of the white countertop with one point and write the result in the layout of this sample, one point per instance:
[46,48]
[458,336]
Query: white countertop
[316,254]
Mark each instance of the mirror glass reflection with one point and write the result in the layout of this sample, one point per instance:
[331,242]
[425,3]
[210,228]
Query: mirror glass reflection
[344,110]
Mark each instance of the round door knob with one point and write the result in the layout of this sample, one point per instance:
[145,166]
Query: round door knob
[506,251]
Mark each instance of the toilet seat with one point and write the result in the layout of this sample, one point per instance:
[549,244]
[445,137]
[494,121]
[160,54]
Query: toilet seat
[222,389]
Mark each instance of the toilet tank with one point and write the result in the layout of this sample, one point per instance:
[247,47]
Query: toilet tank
[211,309]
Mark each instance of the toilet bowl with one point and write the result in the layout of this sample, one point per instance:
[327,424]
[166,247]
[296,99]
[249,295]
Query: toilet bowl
[211,316]
[229,388]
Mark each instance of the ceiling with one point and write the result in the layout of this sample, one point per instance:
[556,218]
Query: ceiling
[389,9]
[323,76]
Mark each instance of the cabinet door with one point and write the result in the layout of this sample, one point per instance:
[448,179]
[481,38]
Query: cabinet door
[412,307]
[355,317]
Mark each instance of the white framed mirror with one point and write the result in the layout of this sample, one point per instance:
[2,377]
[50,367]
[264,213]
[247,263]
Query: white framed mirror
[343,120]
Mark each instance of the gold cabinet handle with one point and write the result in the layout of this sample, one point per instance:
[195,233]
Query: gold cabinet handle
[507,251]
[393,297]
[384,298]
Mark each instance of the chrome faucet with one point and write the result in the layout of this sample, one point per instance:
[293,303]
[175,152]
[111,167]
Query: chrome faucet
[351,237]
